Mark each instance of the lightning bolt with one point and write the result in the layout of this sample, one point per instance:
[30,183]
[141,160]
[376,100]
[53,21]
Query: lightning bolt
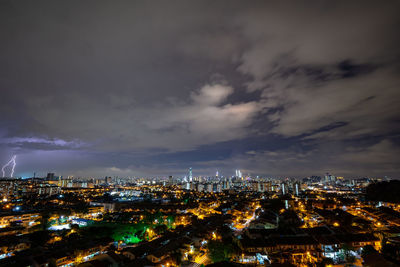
[11,162]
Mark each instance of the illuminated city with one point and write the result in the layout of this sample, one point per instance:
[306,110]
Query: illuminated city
[173,222]
[199,133]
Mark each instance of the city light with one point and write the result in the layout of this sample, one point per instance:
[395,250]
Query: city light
[200,133]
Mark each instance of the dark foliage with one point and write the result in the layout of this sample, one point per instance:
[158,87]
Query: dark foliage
[384,191]
[218,251]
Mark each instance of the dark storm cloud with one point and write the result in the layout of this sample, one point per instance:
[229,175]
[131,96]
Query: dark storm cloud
[149,88]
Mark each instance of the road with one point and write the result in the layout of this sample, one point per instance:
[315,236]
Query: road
[244,225]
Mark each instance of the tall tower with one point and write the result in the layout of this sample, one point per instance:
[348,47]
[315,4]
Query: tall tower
[327,178]
[283,188]
[190,175]
[297,188]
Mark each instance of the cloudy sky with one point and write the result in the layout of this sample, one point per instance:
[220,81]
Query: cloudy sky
[151,88]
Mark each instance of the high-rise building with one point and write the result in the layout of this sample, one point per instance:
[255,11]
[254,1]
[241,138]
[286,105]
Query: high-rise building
[208,188]
[190,175]
[297,188]
[226,184]
[329,178]
[50,176]
[254,186]
[108,180]
[200,187]
[283,188]
[268,186]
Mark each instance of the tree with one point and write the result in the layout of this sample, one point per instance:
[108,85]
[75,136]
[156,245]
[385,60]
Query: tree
[368,250]
[75,227]
[44,221]
[107,197]
[289,219]
[384,191]
[219,251]
[276,205]
[40,238]
[177,256]
[160,229]
[126,233]
[170,221]
[347,253]
[391,251]
[325,262]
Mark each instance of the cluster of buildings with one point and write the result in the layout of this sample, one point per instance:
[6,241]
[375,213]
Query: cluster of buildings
[17,188]
[168,222]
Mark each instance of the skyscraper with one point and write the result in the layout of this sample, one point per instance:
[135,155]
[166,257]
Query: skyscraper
[297,188]
[190,175]
[329,178]
[283,188]
[50,176]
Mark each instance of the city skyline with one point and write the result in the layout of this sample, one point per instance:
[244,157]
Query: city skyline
[11,165]
[152,89]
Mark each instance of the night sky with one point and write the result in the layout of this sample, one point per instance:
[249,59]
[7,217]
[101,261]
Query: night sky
[151,88]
